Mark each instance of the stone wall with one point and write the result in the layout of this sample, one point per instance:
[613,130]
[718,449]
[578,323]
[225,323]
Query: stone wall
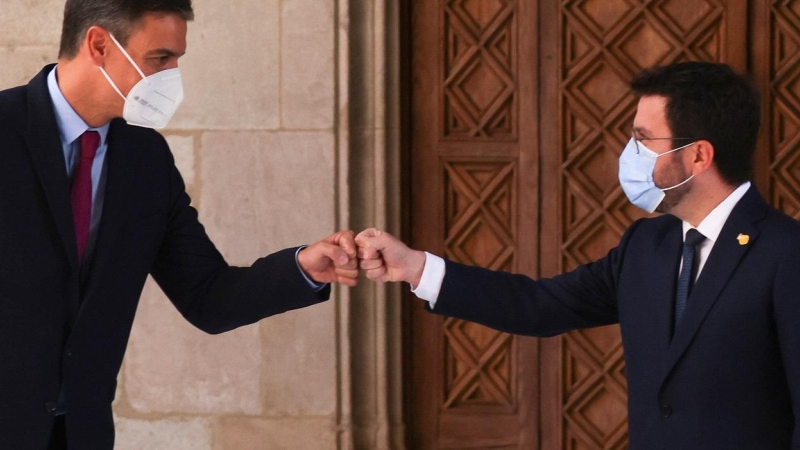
[263,141]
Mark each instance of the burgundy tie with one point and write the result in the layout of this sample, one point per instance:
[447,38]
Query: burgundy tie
[82,190]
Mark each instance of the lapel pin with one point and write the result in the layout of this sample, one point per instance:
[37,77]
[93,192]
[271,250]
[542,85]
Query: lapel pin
[743,239]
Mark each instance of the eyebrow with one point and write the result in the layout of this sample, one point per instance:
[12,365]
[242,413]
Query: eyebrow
[163,52]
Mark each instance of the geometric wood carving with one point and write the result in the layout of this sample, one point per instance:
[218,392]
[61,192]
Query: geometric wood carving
[466,115]
[479,368]
[595,390]
[480,212]
[480,229]
[479,86]
[785,83]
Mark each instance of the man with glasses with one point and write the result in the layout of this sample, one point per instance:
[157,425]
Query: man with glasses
[707,295]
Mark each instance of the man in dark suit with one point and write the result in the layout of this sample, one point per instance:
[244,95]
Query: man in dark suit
[91,205]
[707,296]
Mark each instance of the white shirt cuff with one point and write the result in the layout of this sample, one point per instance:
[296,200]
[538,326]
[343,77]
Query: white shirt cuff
[430,283]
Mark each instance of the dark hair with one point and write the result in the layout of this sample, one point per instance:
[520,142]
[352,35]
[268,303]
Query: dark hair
[709,101]
[117,16]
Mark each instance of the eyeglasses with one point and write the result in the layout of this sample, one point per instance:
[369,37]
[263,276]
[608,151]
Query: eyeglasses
[637,140]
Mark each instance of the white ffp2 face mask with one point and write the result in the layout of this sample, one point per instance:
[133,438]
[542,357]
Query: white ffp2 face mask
[152,101]
[636,166]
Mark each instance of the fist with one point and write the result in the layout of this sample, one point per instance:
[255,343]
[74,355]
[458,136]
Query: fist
[386,258]
[331,260]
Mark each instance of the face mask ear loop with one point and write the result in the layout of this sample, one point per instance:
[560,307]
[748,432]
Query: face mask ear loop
[675,149]
[127,56]
[111,82]
[679,184]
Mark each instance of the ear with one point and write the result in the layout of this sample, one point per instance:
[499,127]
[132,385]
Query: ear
[96,44]
[703,156]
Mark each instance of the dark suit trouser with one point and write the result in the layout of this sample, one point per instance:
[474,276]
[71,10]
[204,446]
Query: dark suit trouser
[58,437]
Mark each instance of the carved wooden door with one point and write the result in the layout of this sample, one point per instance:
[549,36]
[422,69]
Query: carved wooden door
[474,143]
[520,109]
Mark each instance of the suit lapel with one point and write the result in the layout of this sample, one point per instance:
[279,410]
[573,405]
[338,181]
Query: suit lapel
[720,266]
[47,154]
[662,286]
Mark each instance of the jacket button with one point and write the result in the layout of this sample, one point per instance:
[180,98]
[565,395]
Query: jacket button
[51,407]
[666,411]
[68,352]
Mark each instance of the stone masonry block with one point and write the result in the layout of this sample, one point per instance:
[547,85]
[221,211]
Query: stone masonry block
[31,22]
[266,191]
[300,362]
[183,150]
[231,67]
[165,434]
[308,64]
[21,64]
[172,367]
[277,434]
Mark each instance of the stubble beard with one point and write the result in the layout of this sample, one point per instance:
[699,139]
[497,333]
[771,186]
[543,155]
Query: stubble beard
[673,197]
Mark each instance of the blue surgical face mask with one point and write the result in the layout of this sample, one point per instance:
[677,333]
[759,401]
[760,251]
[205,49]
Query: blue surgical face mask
[636,166]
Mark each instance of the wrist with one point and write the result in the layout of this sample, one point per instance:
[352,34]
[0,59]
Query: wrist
[300,258]
[417,268]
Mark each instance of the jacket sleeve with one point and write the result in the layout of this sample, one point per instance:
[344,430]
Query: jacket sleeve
[513,303]
[209,293]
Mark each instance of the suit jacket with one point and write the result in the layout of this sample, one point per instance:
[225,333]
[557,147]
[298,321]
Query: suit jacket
[729,378]
[61,331]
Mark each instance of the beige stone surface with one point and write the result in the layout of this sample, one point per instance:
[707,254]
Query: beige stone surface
[183,150]
[300,362]
[18,65]
[165,434]
[171,367]
[232,67]
[275,434]
[266,191]
[30,22]
[307,73]
[263,192]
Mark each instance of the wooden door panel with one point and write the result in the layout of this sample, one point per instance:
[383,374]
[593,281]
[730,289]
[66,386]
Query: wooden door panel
[776,59]
[476,387]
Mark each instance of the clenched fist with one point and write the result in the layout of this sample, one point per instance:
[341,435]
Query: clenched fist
[386,258]
[333,259]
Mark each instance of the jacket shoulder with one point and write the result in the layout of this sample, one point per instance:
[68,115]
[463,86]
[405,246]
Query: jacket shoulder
[781,227]
[13,107]
[651,226]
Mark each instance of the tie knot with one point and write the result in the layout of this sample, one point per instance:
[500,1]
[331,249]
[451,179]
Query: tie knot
[693,237]
[90,140]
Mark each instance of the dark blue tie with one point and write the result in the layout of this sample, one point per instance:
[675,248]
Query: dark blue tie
[686,279]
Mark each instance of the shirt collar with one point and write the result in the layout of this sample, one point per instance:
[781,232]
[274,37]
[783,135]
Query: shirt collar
[70,124]
[712,225]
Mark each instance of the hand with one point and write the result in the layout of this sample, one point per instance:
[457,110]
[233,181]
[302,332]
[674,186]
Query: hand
[386,258]
[333,259]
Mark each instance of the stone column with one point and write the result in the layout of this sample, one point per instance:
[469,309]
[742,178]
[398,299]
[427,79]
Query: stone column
[370,130]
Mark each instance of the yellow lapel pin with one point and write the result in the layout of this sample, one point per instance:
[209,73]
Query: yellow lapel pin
[743,239]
